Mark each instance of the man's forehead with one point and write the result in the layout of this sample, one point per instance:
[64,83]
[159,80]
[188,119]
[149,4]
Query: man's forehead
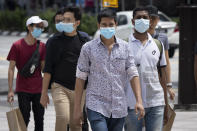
[59,15]
[107,19]
[143,12]
[68,14]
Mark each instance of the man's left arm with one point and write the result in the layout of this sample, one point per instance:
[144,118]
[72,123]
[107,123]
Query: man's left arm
[168,77]
[163,77]
[168,69]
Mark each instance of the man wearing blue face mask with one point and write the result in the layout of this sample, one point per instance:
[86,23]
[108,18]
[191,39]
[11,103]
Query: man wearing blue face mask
[58,20]
[106,62]
[148,58]
[62,55]
[28,89]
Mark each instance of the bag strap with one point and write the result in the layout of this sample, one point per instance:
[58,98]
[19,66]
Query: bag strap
[159,45]
[37,45]
[156,35]
[11,106]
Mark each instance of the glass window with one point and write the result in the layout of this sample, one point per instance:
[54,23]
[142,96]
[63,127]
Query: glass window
[163,18]
[122,20]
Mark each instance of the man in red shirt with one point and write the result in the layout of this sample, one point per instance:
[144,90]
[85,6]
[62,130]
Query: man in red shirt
[28,89]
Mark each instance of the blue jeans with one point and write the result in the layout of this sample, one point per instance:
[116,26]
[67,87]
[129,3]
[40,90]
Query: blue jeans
[99,122]
[153,120]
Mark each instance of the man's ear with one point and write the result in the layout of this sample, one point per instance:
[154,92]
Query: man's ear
[133,22]
[116,24]
[78,22]
[98,25]
[30,28]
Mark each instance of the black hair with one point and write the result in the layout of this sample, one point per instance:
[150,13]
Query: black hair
[59,12]
[153,10]
[142,8]
[27,28]
[106,13]
[75,10]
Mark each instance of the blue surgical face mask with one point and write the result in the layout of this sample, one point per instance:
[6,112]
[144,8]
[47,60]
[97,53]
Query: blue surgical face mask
[36,32]
[108,32]
[68,27]
[142,25]
[59,27]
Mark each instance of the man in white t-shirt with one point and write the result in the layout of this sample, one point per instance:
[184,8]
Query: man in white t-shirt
[148,59]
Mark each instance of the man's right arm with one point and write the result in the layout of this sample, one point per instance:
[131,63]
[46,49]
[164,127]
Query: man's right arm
[78,115]
[44,100]
[11,70]
[81,76]
[133,76]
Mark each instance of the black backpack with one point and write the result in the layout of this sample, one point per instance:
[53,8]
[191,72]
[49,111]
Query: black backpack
[29,68]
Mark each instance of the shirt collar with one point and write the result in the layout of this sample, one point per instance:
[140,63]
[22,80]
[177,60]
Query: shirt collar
[117,41]
[133,39]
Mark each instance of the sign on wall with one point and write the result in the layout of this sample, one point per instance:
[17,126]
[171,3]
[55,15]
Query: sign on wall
[110,3]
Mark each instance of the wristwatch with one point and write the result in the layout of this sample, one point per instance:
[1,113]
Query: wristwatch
[169,85]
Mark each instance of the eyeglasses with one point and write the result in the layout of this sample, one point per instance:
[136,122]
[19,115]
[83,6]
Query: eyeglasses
[67,20]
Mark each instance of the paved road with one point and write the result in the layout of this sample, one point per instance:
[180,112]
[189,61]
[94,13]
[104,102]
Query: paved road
[185,121]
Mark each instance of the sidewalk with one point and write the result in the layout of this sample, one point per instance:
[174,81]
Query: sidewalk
[184,121]
[49,118]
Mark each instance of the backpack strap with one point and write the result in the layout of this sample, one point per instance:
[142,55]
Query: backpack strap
[159,45]
[38,44]
[83,37]
[156,35]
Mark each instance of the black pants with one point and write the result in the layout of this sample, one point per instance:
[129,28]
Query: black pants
[27,102]
[85,122]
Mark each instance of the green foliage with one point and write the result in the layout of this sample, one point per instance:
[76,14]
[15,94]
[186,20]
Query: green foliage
[176,19]
[48,15]
[16,20]
[88,24]
[12,20]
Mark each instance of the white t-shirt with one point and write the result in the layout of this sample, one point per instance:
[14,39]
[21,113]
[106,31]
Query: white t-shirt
[146,58]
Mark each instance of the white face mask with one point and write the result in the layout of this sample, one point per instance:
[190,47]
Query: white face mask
[142,25]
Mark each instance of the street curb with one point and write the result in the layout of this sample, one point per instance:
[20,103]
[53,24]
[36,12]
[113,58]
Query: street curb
[22,34]
[185,107]
[3,93]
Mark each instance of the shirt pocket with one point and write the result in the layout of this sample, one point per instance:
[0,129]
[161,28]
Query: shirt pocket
[119,64]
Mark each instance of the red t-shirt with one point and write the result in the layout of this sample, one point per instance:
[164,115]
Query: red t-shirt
[89,3]
[21,52]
